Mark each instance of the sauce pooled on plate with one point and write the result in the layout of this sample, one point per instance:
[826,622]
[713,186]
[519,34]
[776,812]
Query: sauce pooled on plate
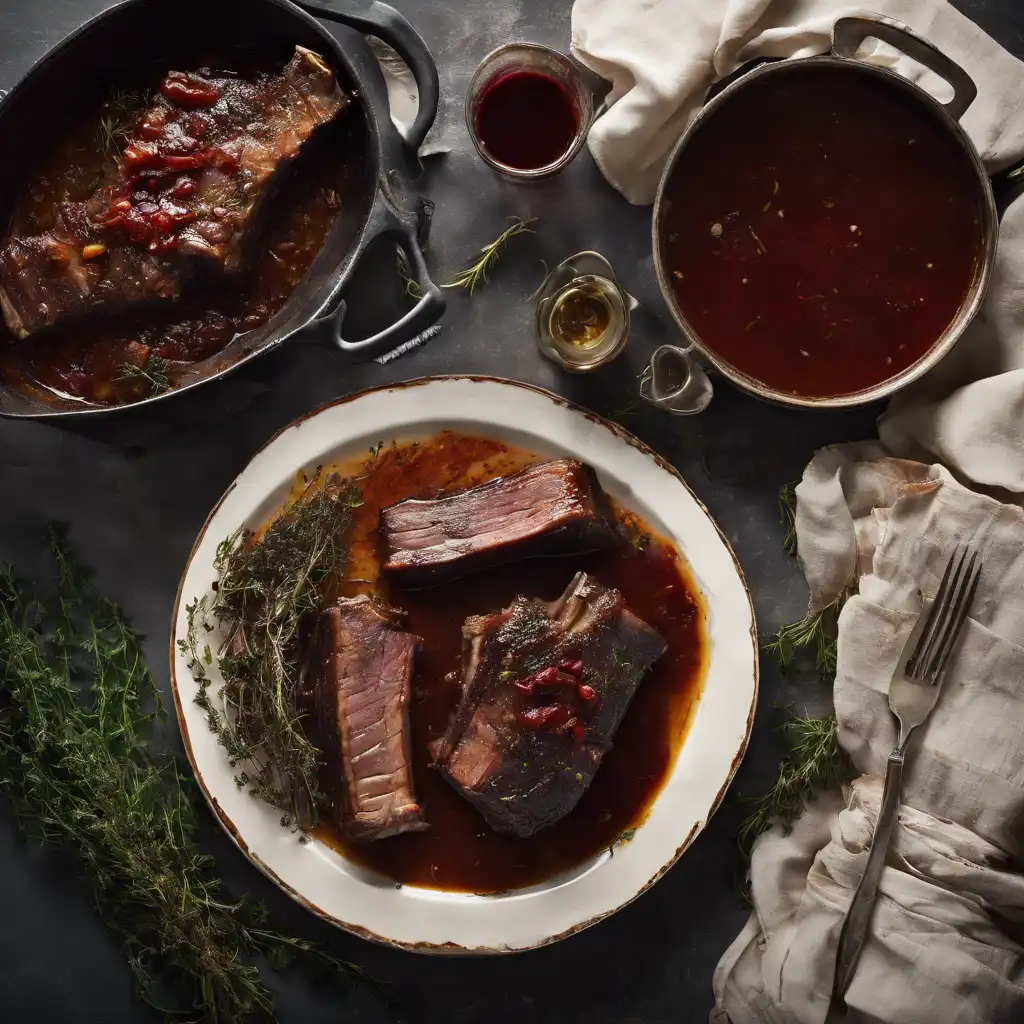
[459,852]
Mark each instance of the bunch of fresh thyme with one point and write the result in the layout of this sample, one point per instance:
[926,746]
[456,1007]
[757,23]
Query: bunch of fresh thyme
[266,586]
[77,701]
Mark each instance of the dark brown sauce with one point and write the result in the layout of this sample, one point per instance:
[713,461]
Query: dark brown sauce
[459,851]
[86,362]
[822,230]
[526,120]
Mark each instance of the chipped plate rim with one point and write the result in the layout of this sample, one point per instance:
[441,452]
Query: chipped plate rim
[431,921]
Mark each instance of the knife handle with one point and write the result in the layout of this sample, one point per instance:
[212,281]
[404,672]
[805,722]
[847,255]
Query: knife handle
[858,919]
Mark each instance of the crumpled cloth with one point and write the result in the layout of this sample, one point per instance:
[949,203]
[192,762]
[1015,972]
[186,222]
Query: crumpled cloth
[945,941]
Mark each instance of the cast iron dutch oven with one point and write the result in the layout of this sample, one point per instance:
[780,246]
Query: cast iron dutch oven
[127,41]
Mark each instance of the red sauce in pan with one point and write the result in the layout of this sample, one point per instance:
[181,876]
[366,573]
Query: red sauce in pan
[459,851]
[91,362]
[821,230]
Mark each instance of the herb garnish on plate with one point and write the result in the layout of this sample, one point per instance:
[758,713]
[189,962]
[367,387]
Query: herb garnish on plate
[267,584]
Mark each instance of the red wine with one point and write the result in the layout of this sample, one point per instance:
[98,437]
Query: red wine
[526,120]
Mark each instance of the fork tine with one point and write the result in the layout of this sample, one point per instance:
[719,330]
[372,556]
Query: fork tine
[958,615]
[938,605]
[941,606]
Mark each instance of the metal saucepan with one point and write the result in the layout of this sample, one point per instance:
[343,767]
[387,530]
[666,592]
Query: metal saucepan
[676,378]
[120,44]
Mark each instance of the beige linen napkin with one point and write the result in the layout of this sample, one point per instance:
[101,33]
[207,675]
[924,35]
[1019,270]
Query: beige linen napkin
[942,948]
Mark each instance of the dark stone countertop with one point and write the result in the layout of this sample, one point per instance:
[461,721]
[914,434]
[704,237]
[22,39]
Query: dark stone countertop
[136,494]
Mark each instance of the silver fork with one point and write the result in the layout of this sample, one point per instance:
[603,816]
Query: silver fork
[913,693]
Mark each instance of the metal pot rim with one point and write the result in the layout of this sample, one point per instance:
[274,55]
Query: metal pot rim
[976,294]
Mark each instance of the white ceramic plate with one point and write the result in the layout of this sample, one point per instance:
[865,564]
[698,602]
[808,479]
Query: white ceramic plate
[428,920]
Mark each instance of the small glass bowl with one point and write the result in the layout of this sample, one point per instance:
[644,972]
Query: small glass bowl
[542,59]
[589,274]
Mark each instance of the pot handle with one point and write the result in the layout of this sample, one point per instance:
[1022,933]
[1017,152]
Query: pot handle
[675,381]
[384,223]
[383,21]
[848,33]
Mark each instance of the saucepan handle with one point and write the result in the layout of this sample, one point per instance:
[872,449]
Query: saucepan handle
[385,223]
[848,33]
[675,380]
[386,23]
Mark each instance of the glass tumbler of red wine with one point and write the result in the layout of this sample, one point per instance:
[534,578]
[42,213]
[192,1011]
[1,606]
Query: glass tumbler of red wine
[528,110]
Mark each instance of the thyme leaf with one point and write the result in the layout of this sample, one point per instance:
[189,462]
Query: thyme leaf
[77,702]
[813,762]
[478,272]
[267,586]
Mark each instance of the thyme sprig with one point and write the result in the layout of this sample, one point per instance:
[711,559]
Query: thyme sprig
[76,705]
[818,633]
[813,762]
[410,286]
[787,516]
[266,586]
[153,374]
[120,111]
[479,271]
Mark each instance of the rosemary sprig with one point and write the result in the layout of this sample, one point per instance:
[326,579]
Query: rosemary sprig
[153,374]
[266,586]
[787,516]
[813,762]
[77,702]
[478,272]
[819,633]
